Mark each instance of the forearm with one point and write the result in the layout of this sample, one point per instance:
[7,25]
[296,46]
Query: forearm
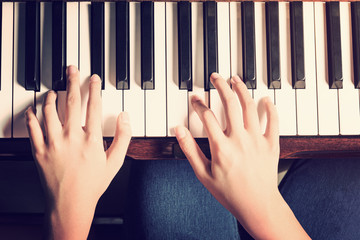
[272,220]
[69,221]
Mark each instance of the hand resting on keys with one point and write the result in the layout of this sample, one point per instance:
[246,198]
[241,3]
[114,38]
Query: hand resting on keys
[242,174]
[74,168]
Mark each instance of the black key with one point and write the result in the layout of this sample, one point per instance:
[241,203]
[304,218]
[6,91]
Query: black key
[185,62]
[355,17]
[272,39]
[32,46]
[0,38]
[122,46]
[97,41]
[334,45]
[59,46]
[210,42]
[248,44]
[297,45]
[147,45]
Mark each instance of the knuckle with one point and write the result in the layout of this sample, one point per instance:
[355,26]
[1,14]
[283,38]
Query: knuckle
[38,154]
[47,107]
[249,103]
[30,120]
[54,145]
[92,137]
[72,99]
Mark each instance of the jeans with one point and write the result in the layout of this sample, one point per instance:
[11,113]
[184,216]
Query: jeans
[166,201]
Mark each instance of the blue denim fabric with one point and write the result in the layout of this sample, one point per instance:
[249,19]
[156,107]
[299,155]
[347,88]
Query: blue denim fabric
[325,197]
[167,201]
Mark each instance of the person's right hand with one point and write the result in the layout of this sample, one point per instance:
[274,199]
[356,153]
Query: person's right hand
[242,172]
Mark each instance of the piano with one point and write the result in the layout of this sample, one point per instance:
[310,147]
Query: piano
[153,56]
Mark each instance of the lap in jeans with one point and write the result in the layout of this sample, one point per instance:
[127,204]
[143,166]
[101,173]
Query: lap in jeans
[324,195]
[167,201]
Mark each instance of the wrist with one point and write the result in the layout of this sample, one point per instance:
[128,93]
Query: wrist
[274,219]
[70,218]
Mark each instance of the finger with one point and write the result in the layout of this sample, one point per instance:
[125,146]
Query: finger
[35,132]
[272,126]
[117,151]
[250,115]
[207,117]
[51,120]
[192,151]
[73,98]
[229,101]
[93,112]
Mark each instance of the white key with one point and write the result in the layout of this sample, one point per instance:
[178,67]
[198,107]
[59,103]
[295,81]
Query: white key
[155,100]
[177,100]
[348,96]
[236,42]
[327,98]
[285,97]
[223,60]
[45,58]
[261,90]
[195,125]
[111,97]
[72,49]
[6,70]
[134,98]
[306,100]
[236,39]
[22,98]
[85,55]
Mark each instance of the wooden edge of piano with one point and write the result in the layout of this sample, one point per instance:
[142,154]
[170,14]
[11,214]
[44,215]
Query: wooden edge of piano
[297,147]
[172,0]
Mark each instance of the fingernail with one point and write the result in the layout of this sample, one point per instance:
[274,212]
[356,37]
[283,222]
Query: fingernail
[124,117]
[266,99]
[26,112]
[195,98]
[236,79]
[94,78]
[214,76]
[71,70]
[180,132]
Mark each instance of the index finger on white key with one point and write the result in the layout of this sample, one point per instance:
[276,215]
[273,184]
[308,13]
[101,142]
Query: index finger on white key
[250,115]
[73,99]
[229,101]
[94,107]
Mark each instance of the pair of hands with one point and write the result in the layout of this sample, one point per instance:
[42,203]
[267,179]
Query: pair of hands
[242,174]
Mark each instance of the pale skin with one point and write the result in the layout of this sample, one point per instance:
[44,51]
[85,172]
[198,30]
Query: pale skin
[75,170]
[242,173]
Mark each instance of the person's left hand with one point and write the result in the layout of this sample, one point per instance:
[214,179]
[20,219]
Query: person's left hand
[74,168]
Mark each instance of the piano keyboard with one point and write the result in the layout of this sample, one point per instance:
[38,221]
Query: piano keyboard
[153,56]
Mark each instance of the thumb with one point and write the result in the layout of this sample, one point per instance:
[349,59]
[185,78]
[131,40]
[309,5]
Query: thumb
[192,151]
[117,151]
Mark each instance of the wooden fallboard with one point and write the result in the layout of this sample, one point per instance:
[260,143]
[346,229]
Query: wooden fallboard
[167,148]
[173,1]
